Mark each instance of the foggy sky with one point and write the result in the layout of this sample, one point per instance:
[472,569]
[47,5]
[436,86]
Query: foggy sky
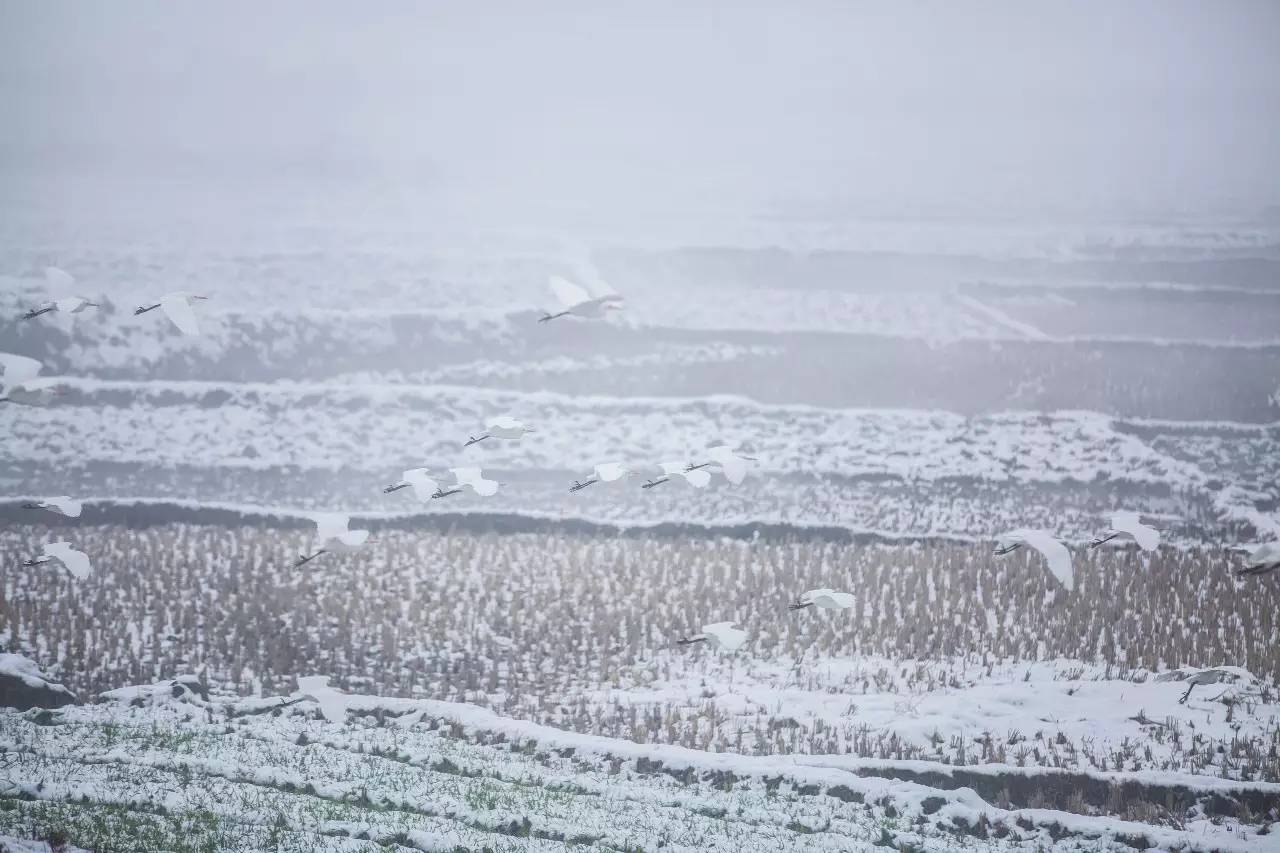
[892,107]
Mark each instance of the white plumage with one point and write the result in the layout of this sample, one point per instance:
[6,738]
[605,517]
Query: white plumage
[605,472]
[333,704]
[720,635]
[576,300]
[729,462]
[474,479]
[177,307]
[75,562]
[62,505]
[333,533]
[21,384]
[1130,523]
[824,599]
[503,426]
[1055,553]
[420,480]
[1262,559]
[696,477]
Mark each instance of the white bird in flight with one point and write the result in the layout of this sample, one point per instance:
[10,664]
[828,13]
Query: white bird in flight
[725,460]
[1130,523]
[1214,675]
[824,599]
[420,480]
[721,635]
[605,472]
[177,307]
[501,427]
[1262,559]
[22,384]
[576,300]
[60,280]
[333,703]
[469,478]
[695,476]
[1055,553]
[332,534]
[75,562]
[62,505]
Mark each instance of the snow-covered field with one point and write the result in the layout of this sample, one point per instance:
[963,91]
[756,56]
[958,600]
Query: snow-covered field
[179,772]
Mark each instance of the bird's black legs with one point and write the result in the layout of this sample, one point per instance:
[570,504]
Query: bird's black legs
[307,559]
[798,606]
[397,487]
[471,439]
[651,483]
[137,311]
[688,641]
[36,312]
[1008,549]
[579,486]
[440,493]
[1187,695]
[546,318]
[1095,543]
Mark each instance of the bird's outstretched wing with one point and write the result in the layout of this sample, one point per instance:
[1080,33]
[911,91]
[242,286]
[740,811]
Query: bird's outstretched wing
[1130,522]
[331,524]
[566,292]
[423,486]
[503,422]
[77,562]
[68,506]
[733,465]
[475,479]
[1055,554]
[178,309]
[610,471]
[727,637]
[698,479]
[15,369]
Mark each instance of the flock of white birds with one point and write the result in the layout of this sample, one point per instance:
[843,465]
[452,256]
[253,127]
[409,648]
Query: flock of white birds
[22,384]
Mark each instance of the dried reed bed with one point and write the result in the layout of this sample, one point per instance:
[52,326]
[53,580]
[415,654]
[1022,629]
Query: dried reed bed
[531,623]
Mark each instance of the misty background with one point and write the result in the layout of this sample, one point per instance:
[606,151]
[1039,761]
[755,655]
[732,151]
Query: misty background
[512,113]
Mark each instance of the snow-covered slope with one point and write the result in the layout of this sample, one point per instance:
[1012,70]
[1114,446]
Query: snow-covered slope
[414,775]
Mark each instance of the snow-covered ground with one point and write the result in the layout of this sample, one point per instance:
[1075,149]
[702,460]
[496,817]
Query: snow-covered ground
[269,773]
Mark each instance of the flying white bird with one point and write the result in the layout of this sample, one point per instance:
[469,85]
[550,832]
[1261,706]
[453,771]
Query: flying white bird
[696,477]
[1262,559]
[824,599]
[1124,522]
[21,384]
[424,486]
[721,635]
[332,535]
[333,704]
[574,299]
[1215,675]
[469,478]
[75,562]
[605,472]
[62,505]
[500,427]
[177,307]
[726,460]
[59,280]
[1055,553]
